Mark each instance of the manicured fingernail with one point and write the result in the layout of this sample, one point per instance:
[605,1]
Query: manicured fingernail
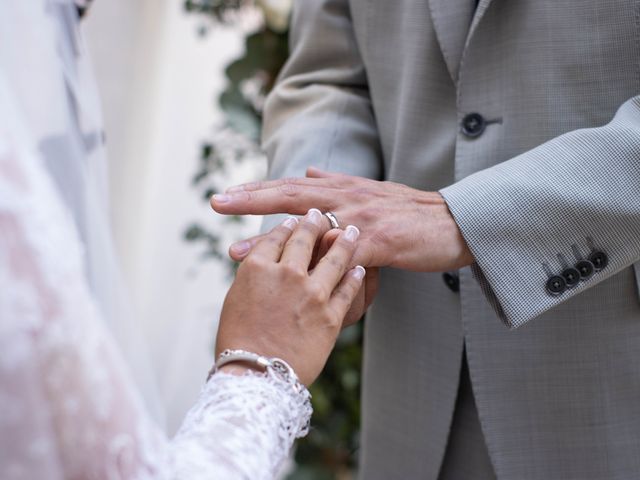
[359,272]
[351,233]
[221,198]
[290,222]
[314,216]
[235,188]
[240,248]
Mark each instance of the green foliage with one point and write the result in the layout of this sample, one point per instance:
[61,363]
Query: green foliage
[329,451]
[216,8]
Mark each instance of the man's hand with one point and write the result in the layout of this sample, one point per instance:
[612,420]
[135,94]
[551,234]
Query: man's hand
[400,226]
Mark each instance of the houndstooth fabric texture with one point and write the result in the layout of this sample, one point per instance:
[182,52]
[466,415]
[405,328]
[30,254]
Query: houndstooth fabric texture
[524,218]
[381,89]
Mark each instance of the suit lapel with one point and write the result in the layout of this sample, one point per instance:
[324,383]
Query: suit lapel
[454,22]
[483,5]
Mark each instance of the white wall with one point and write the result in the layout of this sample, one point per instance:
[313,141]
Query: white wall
[159,82]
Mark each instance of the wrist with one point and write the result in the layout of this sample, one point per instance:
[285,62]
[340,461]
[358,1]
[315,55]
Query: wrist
[461,255]
[240,368]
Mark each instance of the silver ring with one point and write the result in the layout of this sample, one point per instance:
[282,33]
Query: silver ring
[333,220]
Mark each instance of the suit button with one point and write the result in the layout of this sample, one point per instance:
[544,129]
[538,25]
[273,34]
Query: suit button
[473,125]
[556,285]
[571,277]
[452,281]
[599,260]
[586,269]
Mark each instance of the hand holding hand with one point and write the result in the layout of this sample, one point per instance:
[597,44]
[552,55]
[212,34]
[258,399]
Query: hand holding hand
[276,307]
[401,227]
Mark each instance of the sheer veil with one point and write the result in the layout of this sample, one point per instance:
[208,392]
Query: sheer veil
[46,70]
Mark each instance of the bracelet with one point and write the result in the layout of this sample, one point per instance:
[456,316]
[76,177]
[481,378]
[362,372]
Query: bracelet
[275,367]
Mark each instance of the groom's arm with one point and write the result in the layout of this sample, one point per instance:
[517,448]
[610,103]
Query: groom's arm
[528,219]
[320,114]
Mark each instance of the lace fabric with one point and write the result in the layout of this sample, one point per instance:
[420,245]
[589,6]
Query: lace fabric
[68,406]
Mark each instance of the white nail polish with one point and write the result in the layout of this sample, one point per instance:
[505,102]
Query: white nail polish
[290,223]
[314,216]
[359,272]
[351,233]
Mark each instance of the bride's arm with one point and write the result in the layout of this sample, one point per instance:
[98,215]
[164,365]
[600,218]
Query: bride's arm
[68,408]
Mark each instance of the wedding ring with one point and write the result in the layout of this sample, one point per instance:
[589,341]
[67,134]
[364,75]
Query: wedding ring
[333,220]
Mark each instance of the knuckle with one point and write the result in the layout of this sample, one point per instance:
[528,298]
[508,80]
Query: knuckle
[288,188]
[254,262]
[349,289]
[362,191]
[344,296]
[317,294]
[334,320]
[299,243]
[308,227]
[294,270]
[276,241]
[247,196]
[350,180]
[334,262]
[372,213]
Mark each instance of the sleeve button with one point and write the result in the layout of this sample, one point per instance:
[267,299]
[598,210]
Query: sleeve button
[556,285]
[599,260]
[586,269]
[452,281]
[571,277]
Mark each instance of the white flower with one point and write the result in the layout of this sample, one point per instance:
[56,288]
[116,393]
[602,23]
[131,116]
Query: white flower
[276,13]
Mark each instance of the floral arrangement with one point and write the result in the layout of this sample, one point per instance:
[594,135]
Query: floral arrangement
[330,449]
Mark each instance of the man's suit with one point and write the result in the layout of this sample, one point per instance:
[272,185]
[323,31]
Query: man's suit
[525,115]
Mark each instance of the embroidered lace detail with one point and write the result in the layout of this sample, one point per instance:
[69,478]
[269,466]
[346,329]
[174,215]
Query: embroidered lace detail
[68,406]
[256,420]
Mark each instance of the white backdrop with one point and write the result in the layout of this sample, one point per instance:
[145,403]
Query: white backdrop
[159,83]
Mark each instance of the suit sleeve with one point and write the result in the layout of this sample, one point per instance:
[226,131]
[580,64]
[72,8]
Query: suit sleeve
[320,112]
[568,207]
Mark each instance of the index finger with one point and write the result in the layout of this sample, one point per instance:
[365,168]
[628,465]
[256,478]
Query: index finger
[264,184]
[286,198]
[272,244]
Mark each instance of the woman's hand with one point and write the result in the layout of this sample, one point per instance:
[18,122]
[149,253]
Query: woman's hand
[401,227]
[276,307]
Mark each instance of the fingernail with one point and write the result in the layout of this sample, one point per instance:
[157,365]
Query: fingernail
[351,233]
[241,248]
[290,222]
[221,198]
[235,188]
[314,216]
[359,272]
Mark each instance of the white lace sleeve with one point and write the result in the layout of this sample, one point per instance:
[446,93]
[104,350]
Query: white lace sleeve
[255,423]
[68,407]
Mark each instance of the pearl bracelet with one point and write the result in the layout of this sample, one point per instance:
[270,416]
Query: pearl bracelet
[274,367]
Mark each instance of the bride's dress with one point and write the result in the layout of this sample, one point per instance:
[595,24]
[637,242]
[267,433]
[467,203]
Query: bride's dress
[69,408]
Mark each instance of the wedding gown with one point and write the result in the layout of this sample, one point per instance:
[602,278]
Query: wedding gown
[69,407]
